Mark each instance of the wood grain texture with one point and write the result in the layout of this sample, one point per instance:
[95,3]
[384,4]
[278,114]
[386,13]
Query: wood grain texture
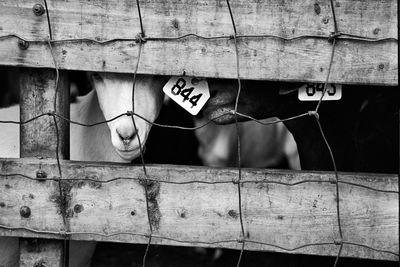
[38,93]
[260,58]
[41,138]
[286,216]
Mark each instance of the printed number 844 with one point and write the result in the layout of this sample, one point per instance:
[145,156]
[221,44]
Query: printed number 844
[179,89]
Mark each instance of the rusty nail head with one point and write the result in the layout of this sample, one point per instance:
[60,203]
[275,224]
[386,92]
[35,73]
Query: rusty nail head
[78,208]
[381,66]
[38,9]
[22,44]
[25,212]
[377,30]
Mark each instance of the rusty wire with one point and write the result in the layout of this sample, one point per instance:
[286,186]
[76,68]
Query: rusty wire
[139,179]
[65,253]
[146,181]
[340,36]
[194,242]
[333,37]
[239,165]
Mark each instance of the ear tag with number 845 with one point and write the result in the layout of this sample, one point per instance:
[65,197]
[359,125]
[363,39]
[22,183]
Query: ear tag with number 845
[189,92]
[313,92]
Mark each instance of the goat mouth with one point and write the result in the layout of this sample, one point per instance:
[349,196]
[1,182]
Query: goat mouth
[222,114]
[128,154]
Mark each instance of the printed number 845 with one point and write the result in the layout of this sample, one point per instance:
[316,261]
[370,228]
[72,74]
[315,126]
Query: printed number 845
[311,89]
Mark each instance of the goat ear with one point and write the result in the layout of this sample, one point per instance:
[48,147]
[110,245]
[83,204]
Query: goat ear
[96,76]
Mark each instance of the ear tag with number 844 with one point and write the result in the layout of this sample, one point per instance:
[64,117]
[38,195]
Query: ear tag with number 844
[189,92]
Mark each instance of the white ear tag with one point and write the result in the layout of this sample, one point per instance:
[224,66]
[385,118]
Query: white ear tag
[189,92]
[313,92]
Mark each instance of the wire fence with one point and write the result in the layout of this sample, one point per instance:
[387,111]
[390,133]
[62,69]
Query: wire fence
[147,181]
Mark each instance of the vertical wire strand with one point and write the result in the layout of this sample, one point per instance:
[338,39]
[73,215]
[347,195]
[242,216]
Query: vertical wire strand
[146,183]
[63,211]
[140,18]
[338,255]
[327,76]
[334,17]
[336,175]
[238,135]
[48,20]
[338,217]
[336,31]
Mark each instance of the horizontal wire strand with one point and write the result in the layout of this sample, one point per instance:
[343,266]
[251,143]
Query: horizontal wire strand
[306,181]
[72,233]
[341,36]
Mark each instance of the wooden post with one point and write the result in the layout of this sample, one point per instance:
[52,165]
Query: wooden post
[39,139]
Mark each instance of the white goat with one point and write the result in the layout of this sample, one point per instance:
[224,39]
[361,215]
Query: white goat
[114,97]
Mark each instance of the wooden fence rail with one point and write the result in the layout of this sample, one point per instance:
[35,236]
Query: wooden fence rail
[204,211]
[304,59]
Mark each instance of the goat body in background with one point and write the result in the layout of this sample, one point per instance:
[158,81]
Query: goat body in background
[361,128]
[261,146]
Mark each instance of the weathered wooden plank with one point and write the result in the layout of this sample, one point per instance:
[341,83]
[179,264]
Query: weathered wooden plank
[40,89]
[39,137]
[287,216]
[261,58]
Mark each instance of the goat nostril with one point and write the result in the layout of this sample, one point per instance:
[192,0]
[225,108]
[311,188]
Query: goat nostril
[126,137]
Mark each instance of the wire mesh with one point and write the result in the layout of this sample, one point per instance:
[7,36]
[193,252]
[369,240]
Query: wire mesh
[140,39]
